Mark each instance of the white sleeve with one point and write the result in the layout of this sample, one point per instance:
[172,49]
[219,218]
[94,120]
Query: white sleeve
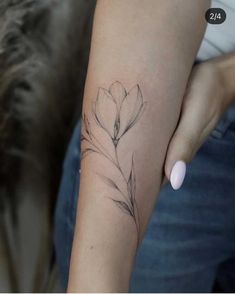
[219,39]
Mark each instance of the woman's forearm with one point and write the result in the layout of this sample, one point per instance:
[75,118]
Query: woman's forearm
[141,56]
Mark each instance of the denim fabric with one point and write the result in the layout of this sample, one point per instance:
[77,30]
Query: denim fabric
[190,241]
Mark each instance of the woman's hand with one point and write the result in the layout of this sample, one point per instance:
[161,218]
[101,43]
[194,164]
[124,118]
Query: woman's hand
[209,93]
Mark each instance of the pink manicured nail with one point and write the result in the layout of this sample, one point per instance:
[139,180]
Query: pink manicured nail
[177,174]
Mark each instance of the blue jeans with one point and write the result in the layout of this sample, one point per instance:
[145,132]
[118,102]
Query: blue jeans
[190,241]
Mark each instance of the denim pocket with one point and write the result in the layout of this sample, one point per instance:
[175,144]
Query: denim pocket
[220,129]
[224,133]
[226,124]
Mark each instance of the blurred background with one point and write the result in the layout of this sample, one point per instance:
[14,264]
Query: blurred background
[44,48]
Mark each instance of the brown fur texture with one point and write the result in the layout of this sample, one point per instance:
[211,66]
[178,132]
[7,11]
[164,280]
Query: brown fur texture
[43,56]
[44,47]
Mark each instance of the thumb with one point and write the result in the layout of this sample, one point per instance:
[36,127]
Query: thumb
[182,147]
[202,107]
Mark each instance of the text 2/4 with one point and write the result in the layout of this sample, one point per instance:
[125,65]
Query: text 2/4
[215,15]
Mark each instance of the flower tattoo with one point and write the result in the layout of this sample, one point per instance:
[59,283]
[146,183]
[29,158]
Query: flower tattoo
[124,111]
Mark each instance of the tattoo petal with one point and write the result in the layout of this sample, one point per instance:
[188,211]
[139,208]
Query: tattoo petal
[118,93]
[105,111]
[138,116]
[130,109]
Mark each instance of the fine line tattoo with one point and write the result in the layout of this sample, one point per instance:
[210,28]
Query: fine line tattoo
[124,111]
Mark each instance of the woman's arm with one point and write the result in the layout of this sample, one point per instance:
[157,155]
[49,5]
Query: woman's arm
[141,56]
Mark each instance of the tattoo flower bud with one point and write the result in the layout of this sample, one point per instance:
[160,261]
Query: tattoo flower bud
[116,110]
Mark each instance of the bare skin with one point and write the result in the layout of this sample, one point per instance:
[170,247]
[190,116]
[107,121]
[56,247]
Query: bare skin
[210,92]
[150,52]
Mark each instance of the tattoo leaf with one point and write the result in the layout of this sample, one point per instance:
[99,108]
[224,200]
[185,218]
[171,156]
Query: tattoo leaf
[124,207]
[87,151]
[110,182]
[84,138]
[132,182]
[86,125]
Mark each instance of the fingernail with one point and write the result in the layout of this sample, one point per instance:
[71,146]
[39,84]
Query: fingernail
[178,174]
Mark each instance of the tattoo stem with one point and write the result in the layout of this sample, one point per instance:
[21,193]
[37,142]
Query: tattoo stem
[132,207]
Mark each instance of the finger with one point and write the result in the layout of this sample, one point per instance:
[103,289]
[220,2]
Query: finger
[186,140]
[201,110]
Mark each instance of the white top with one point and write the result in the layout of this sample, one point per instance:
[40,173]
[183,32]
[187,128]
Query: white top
[219,39]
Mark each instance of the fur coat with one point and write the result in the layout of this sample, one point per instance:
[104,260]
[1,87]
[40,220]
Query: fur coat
[44,47]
